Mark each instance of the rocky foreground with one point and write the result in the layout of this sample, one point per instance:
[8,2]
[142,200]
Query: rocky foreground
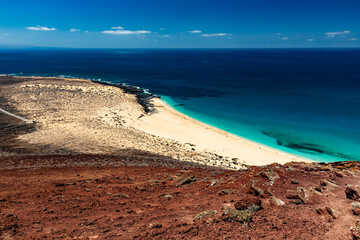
[137,197]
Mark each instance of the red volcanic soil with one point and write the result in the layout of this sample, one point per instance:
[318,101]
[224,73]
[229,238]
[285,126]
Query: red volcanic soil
[108,197]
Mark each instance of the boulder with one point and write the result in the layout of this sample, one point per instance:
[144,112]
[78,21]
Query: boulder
[207,213]
[352,192]
[249,203]
[225,192]
[231,214]
[187,180]
[355,231]
[274,201]
[300,194]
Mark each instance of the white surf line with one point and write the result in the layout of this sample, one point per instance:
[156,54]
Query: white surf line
[16,116]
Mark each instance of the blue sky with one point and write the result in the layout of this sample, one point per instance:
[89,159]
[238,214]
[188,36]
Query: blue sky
[180,23]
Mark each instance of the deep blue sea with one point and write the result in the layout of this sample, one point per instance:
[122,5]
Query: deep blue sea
[302,101]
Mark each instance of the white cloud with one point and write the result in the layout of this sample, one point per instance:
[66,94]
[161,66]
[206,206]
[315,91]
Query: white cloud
[337,33]
[279,34]
[41,28]
[162,29]
[333,34]
[216,34]
[125,32]
[5,34]
[119,28]
[74,30]
[353,39]
[195,31]
[284,38]
[166,35]
[310,39]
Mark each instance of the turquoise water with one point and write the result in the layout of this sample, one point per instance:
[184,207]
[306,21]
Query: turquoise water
[302,101]
[253,129]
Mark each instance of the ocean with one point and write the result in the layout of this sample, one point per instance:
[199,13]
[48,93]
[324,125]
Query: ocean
[301,101]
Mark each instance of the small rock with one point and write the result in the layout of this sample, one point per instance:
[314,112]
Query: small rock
[276,201]
[187,180]
[214,182]
[355,204]
[224,192]
[231,214]
[250,203]
[355,231]
[321,211]
[352,192]
[168,196]
[155,225]
[207,213]
[294,181]
[290,194]
[356,211]
[257,190]
[324,182]
[120,195]
[270,174]
[301,194]
[327,211]
[332,212]
[87,190]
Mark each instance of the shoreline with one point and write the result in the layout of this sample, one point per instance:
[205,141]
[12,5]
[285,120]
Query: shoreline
[161,120]
[233,135]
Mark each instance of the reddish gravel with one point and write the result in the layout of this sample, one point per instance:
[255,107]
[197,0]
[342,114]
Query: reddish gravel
[83,199]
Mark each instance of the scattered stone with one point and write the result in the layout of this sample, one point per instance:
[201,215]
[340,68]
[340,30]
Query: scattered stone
[327,211]
[186,181]
[214,182]
[291,194]
[250,203]
[339,174]
[355,204]
[276,201]
[301,194]
[294,181]
[231,214]
[120,195]
[316,191]
[207,213]
[270,174]
[168,196]
[257,190]
[355,208]
[321,211]
[224,192]
[64,184]
[331,212]
[352,192]
[87,190]
[355,231]
[155,225]
[324,182]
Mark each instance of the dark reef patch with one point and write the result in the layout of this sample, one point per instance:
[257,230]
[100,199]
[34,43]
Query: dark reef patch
[297,144]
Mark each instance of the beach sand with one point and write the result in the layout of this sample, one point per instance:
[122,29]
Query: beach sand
[80,116]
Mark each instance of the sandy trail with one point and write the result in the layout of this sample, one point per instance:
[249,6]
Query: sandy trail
[16,116]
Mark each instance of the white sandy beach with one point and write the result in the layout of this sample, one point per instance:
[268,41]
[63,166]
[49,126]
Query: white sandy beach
[169,123]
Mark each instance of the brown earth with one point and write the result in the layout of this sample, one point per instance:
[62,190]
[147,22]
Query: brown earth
[119,197]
